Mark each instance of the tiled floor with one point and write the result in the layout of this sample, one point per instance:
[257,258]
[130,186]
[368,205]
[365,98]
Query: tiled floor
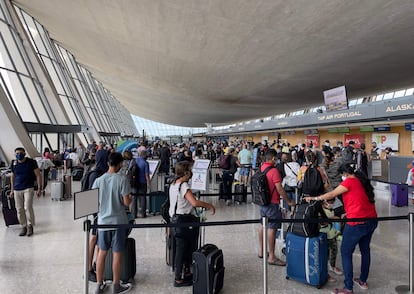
[51,261]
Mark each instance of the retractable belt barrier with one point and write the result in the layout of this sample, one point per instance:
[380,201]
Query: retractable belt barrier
[265,221]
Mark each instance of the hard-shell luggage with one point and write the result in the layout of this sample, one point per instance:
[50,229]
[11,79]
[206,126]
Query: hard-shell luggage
[208,270]
[68,186]
[8,207]
[57,190]
[240,193]
[77,173]
[170,247]
[156,199]
[307,259]
[221,190]
[399,194]
[129,263]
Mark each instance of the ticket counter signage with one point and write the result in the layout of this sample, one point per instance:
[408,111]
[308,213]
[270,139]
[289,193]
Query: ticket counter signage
[200,174]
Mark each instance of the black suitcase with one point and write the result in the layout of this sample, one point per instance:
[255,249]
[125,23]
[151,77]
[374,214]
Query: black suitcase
[240,193]
[129,263]
[208,270]
[9,208]
[221,190]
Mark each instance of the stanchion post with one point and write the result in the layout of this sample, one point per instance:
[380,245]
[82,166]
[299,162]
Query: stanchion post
[411,253]
[87,229]
[265,249]
[409,288]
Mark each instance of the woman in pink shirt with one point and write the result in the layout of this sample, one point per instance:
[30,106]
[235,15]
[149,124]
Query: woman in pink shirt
[358,197]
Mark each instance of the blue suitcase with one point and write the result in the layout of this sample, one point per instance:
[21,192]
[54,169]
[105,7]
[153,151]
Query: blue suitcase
[307,259]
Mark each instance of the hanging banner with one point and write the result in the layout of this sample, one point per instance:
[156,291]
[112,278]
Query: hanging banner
[312,139]
[356,138]
[385,140]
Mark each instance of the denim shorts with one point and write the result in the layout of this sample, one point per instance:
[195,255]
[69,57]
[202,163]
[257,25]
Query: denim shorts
[272,211]
[244,171]
[115,239]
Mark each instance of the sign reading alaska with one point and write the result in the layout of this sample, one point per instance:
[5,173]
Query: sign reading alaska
[400,107]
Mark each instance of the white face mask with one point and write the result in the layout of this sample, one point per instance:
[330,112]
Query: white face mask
[343,178]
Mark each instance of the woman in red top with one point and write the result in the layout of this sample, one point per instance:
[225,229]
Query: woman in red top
[358,197]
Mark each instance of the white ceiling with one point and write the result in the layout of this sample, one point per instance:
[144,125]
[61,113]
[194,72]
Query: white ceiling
[188,63]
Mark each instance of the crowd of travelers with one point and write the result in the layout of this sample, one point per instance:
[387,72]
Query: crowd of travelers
[346,192]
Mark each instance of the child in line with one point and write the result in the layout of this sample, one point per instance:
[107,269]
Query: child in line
[332,234]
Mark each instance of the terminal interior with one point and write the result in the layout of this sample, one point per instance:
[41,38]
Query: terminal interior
[77,71]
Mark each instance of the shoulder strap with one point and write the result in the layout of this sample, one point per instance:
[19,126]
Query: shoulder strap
[291,169]
[179,193]
[265,173]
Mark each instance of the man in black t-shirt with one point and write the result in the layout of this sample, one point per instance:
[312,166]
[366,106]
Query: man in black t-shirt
[24,173]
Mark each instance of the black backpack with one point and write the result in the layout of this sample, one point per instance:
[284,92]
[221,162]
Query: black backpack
[312,182]
[260,188]
[133,173]
[307,211]
[165,207]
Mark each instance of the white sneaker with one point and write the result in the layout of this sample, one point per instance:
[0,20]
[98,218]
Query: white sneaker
[228,202]
[335,270]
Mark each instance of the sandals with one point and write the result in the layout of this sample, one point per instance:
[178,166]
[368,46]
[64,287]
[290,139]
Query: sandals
[342,291]
[277,262]
[362,285]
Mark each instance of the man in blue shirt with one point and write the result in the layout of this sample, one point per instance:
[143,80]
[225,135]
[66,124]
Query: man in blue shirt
[143,184]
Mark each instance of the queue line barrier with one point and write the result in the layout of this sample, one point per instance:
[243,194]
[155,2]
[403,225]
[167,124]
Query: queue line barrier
[87,226]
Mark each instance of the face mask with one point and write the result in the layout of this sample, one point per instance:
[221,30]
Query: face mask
[20,156]
[343,178]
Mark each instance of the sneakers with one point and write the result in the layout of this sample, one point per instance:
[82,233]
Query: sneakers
[23,232]
[362,285]
[29,231]
[335,270]
[228,202]
[100,288]
[120,288]
[92,276]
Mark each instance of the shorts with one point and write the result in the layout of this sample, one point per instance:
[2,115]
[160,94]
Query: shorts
[272,211]
[244,171]
[115,239]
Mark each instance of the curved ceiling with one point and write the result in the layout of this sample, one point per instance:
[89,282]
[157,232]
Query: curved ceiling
[219,61]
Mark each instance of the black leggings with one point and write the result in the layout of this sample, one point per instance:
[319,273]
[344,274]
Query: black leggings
[186,242]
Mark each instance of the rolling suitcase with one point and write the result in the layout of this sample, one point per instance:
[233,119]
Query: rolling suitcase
[307,259]
[156,199]
[68,186]
[399,194]
[8,208]
[57,190]
[129,263]
[221,190]
[240,193]
[208,270]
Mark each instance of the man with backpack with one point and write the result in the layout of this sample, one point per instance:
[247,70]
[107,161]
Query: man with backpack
[272,210]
